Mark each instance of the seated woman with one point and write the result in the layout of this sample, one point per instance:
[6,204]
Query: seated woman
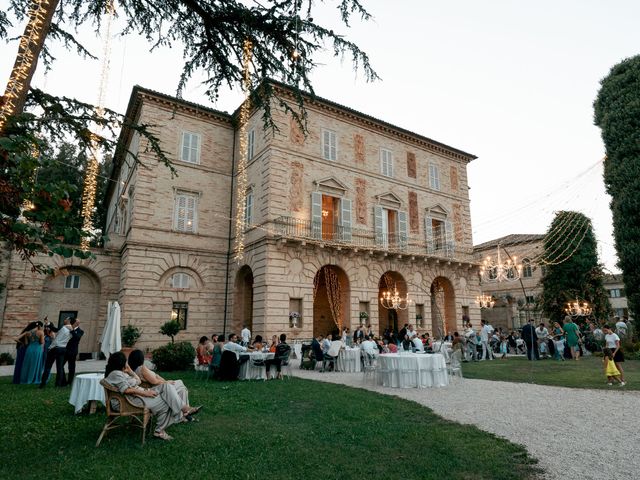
[203,351]
[257,343]
[136,363]
[274,344]
[162,400]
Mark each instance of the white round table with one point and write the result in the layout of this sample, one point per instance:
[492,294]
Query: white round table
[349,360]
[86,388]
[412,370]
[250,371]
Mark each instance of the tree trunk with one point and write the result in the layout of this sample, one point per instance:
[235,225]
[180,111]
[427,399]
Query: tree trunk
[31,43]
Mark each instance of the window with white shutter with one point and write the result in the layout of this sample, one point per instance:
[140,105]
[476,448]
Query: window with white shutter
[186,215]
[434,176]
[251,141]
[329,145]
[72,281]
[190,148]
[386,162]
[248,209]
[180,280]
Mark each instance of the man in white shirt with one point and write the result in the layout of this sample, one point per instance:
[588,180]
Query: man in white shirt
[541,334]
[246,336]
[417,344]
[234,347]
[621,328]
[56,353]
[485,332]
[369,346]
[411,332]
[326,345]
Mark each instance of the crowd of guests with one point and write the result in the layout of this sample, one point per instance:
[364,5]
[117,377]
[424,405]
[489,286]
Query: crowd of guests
[40,345]
[223,358]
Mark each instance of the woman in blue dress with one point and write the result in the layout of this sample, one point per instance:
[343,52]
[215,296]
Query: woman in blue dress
[33,363]
[21,346]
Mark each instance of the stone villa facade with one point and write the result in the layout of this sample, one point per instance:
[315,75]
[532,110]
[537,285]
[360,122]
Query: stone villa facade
[334,219]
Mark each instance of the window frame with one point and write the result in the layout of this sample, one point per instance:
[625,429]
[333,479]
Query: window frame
[251,143]
[434,176]
[176,308]
[198,138]
[182,276]
[331,148]
[386,164]
[72,282]
[248,209]
[176,212]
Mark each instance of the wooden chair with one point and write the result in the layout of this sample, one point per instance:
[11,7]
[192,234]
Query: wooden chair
[118,407]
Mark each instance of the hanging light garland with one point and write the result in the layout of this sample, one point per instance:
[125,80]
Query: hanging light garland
[93,165]
[241,188]
[40,14]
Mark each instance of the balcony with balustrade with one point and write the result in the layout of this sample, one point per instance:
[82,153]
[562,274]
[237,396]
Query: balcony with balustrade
[369,240]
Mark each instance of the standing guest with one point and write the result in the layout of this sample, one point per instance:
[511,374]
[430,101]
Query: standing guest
[282,355]
[558,341]
[612,342]
[541,336]
[49,335]
[511,339]
[470,337]
[348,340]
[530,340]
[358,335]
[402,333]
[216,354]
[621,328]
[56,355]
[610,370]
[369,330]
[72,350]
[162,400]
[457,343]
[572,335]
[246,336]
[136,363]
[485,332]
[32,364]
[504,346]
[21,350]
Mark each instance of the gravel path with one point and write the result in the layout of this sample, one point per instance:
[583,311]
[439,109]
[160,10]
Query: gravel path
[581,434]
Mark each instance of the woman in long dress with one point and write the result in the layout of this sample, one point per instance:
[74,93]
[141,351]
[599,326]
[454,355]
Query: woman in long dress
[162,400]
[34,356]
[136,362]
[33,363]
[21,349]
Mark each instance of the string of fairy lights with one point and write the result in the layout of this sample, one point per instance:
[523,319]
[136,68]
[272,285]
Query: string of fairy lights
[16,86]
[242,181]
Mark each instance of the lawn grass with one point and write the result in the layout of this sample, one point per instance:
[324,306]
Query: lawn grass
[585,373]
[283,429]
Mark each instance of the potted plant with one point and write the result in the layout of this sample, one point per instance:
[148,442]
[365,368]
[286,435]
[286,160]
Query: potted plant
[364,316]
[129,335]
[294,318]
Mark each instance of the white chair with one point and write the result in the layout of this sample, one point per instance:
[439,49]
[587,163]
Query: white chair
[369,366]
[455,365]
[201,368]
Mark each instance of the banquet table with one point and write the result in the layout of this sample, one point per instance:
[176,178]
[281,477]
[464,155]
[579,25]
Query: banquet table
[412,370]
[249,371]
[349,360]
[86,388]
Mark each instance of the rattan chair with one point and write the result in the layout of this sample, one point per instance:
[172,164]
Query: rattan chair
[118,406]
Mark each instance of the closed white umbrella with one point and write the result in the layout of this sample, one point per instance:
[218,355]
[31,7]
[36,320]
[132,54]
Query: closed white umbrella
[110,338]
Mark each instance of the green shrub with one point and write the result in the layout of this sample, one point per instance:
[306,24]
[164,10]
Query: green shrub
[170,329]
[6,359]
[129,335]
[174,356]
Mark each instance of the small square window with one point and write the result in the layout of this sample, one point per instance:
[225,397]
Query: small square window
[72,281]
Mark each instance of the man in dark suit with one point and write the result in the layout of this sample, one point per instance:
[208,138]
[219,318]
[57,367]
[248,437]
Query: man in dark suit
[72,350]
[531,340]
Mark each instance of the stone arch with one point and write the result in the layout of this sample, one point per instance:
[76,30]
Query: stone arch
[243,300]
[390,318]
[62,297]
[443,306]
[165,278]
[331,299]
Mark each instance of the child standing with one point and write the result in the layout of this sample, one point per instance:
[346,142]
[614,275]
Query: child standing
[610,369]
[504,346]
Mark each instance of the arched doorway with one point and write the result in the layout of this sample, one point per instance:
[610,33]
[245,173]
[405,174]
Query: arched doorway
[74,295]
[443,307]
[243,300]
[331,300]
[389,318]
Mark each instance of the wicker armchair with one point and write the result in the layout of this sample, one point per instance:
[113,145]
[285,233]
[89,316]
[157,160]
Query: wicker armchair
[117,407]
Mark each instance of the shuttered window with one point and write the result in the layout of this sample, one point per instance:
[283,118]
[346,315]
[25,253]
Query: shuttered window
[185,219]
[386,162]
[329,145]
[190,151]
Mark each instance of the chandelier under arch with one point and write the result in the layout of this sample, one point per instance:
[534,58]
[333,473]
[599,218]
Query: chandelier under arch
[392,300]
[496,270]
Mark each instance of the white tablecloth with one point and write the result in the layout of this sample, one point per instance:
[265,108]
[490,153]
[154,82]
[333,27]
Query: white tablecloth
[297,349]
[249,371]
[349,360]
[86,387]
[411,370]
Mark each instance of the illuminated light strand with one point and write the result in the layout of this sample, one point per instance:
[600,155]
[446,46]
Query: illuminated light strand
[39,13]
[93,166]
[242,182]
